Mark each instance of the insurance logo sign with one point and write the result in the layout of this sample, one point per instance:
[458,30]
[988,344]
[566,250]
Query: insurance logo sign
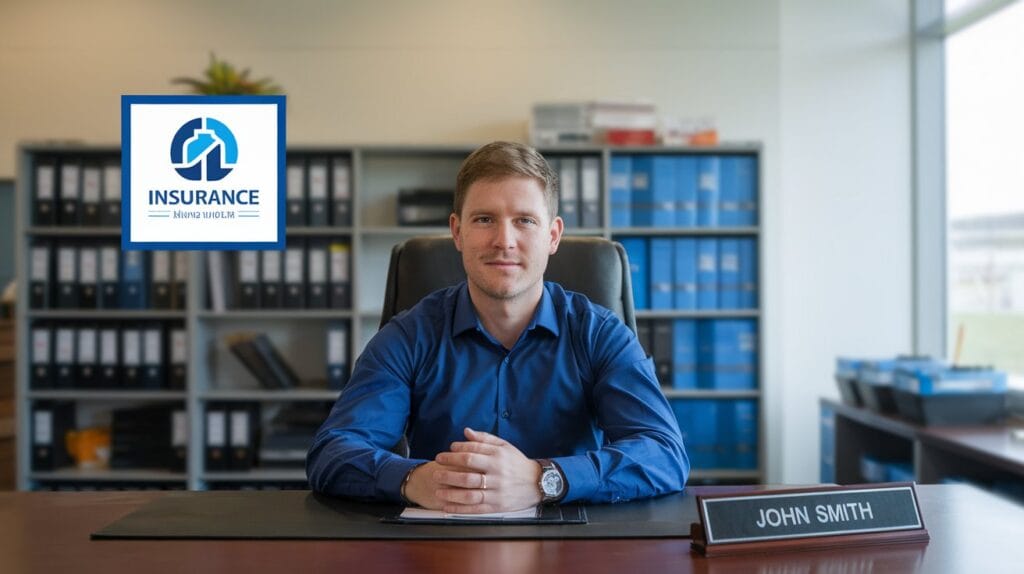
[203,172]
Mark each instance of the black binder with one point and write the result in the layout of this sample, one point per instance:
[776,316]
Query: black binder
[42,353]
[337,356]
[316,288]
[153,356]
[216,437]
[160,273]
[70,192]
[39,288]
[92,181]
[131,357]
[295,275]
[110,277]
[248,270]
[271,296]
[178,359]
[318,192]
[88,265]
[243,427]
[296,196]
[111,195]
[109,358]
[546,514]
[44,193]
[86,363]
[64,356]
[261,358]
[643,334]
[67,277]
[51,420]
[590,192]
[341,192]
[179,440]
[340,276]
[179,295]
[569,191]
[661,343]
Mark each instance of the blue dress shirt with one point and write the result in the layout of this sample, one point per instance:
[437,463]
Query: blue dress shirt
[576,388]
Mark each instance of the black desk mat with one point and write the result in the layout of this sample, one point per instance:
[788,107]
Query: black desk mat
[299,514]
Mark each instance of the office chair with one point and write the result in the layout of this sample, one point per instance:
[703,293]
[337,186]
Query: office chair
[593,266]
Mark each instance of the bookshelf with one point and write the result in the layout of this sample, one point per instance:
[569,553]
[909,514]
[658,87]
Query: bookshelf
[214,377]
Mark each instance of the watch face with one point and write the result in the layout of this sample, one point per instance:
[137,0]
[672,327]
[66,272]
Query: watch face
[551,482]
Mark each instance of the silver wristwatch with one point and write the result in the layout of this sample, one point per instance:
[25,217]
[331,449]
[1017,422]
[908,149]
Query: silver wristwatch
[552,483]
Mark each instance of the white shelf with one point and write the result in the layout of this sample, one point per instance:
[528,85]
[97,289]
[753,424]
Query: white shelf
[257,475]
[108,475]
[378,173]
[295,395]
[106,395]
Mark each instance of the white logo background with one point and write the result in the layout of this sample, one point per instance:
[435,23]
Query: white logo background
[153,127]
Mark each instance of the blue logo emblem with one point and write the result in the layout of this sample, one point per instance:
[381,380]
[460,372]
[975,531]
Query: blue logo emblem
[197,144]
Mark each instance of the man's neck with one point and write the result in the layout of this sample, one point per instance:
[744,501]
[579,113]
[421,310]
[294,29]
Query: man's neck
[505,319]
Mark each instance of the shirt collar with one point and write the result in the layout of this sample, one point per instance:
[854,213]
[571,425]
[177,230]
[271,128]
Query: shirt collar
[465,317]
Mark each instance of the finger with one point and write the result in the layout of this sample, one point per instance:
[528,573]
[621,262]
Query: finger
[470,508]
[460,479]
[459,496]
[477,447]
[470,460]
[481,436]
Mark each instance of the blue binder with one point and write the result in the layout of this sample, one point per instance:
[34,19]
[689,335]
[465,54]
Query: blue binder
[729,274]
[748,274]
[708,191]
[686,191]
[733,357]
[662,275]
[642,201]
[686,273]
[636,251]
[684,352]
[698,423]
[663,192]
[133,280]
[707,273]
[620,190]
[739,191]
[744,434]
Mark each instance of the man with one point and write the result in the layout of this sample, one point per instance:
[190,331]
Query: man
[511,391]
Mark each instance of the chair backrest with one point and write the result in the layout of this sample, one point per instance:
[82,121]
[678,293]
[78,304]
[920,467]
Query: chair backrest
[596,267]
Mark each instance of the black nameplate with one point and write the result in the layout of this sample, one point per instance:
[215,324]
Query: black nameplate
[827,511]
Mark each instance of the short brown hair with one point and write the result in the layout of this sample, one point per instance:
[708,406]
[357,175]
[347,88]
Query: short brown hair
[498,160]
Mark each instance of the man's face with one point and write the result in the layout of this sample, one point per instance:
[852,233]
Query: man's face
[505,235]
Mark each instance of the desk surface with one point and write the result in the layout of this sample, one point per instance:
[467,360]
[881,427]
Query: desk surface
[971,531]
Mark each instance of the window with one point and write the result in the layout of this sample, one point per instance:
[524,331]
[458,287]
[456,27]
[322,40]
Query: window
[984,117]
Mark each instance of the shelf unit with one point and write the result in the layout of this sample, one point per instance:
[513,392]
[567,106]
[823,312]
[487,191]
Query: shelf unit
[214,375]
[985,455]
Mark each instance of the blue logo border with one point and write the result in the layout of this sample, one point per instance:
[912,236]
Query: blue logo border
[126,160]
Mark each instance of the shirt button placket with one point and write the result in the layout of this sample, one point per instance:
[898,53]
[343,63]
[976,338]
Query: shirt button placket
[502,401]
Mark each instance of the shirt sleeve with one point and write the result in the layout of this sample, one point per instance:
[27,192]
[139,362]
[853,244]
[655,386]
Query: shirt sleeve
[351,453]
[643,454]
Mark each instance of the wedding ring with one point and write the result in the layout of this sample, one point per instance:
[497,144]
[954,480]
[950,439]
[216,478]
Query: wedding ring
[483,477]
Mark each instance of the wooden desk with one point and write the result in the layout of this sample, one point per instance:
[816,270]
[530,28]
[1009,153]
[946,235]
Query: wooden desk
[971,531]
[979,453]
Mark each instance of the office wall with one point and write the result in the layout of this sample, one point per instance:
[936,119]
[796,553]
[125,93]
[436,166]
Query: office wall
[844,234]
[449,71]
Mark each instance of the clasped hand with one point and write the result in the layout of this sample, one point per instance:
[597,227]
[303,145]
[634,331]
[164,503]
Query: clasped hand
[482,474]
